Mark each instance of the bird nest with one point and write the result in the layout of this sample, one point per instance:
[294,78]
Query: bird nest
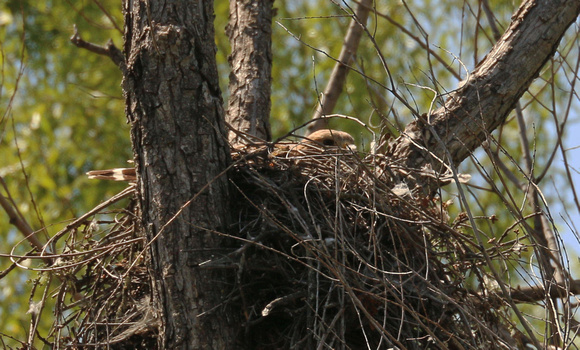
[332,253]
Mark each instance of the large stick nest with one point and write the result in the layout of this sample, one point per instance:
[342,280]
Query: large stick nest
[331,252]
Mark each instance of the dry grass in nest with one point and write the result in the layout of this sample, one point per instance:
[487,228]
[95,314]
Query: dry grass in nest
[328,257]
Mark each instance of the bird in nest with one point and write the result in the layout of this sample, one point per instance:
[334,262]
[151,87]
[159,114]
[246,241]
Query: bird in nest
[316,143]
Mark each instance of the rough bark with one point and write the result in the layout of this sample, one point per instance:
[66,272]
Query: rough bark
[174,104]
[341,68]
[250,33]
[483,101]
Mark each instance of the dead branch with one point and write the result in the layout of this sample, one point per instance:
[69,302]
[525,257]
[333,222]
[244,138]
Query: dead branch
[341,68]
[109,50]
[19,222]
[534,294]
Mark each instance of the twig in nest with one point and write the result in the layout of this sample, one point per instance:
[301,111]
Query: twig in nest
[282,301]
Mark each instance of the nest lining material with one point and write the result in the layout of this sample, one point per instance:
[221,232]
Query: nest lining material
[327,256]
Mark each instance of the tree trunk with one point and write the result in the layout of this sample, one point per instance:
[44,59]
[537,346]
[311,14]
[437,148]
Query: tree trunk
[174,105]
[250,33]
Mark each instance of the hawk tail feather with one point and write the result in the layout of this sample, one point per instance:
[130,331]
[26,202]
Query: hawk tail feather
[118,174]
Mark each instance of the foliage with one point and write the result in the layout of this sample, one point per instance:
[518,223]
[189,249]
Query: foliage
[62,115]
[62,107]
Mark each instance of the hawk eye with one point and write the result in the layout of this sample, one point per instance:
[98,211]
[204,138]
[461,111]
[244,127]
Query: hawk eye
[328,142]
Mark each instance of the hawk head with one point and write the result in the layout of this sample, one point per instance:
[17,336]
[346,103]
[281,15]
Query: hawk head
[327,138]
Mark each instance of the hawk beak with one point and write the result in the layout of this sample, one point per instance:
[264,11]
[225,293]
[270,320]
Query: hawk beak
[349,146]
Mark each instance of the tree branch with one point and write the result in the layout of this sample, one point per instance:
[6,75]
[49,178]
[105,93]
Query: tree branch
[443,139]
[109,50]
[250,33]
[18,221]
[534,294]
[483,101]
[341,68]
